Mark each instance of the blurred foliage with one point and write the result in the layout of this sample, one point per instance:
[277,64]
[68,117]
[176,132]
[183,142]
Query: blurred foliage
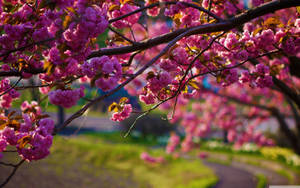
[261,181]
[282,155]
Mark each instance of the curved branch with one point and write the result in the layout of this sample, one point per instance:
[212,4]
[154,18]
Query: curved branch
[27,46]
[17,73]
[139,72]
[12,173]
[12,87]
[290,135]
[285,89]
[224,25]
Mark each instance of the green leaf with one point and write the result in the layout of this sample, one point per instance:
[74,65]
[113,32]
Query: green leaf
[194,84]
[298,9]
[113,107]
[24,141]
[123,100]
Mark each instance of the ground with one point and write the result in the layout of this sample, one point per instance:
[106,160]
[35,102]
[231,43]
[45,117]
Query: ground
[89,162]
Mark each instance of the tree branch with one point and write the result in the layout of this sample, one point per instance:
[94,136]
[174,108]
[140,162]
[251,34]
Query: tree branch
[224,25]
[12,173]
[139,72]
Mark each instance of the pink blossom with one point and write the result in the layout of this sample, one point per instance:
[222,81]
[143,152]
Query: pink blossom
[147,158]
[3,144]
[124,114]
[66,98]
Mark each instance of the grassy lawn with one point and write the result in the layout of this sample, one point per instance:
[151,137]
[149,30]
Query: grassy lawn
[122,157]
[92,161]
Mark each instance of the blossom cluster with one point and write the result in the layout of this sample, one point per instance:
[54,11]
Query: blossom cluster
[66,98]
[59,42]
[174,140]
[123,114]
[7,94]
[30,133]
[105,71]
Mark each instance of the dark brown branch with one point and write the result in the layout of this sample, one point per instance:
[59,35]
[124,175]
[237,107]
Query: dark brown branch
[290,135]
[27,46]
[177,35]
[181,85]
[16,73]
[7,164]
[139,72]
[12,173]
[121,35]
[12,87]
[131,59]
[295,113]
[285,89]
[224,25]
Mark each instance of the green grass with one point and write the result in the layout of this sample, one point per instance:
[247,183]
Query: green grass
[261,181]
[286,174]
[125,158]
[219,161]
[118,137]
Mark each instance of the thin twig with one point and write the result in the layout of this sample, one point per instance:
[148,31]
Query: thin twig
[12,87]
[12,173]
[121,35]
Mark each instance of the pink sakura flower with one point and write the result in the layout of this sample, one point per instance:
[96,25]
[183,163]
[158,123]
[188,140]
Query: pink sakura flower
[230,41]
[39,148]
[125,113]
[109,69]
[147,158]
[202,155]
[5,68]
[149,98]
[262,69]
[265,81]
[128,21]
[245,76]
[242,55]
[257,2]
[231,76]
[106,84]
[297,23]
[168,65]
[46,127]
[154,11]
[66,98]
[44,90]
[9,135]
[3,145]
[174,140]
[231,136]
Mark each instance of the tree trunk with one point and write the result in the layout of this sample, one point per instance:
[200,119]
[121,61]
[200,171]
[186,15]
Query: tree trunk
[290,135]
[60,116]
[225,134]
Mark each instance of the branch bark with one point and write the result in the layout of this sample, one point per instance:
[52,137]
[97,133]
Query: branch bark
[224,25]
[290,135]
